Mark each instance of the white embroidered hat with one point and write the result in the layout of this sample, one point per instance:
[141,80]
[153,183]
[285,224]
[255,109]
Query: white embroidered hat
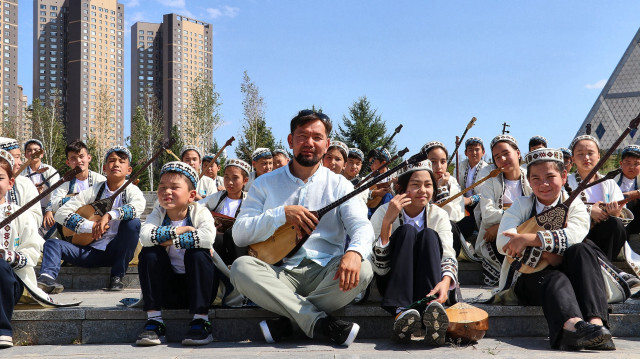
[503,138]
[357,153]
[236,162]
[190,148]
[7,156]
[341,147]
[8,144]
[33,140]
[473,140]
[433,144]
[424,165]
[281,151]
[583,137]
[544,154]
[119,149]
[631,149]
[183,169]
[260,153]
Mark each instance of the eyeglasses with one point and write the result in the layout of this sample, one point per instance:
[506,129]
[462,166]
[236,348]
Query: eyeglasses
[320,115]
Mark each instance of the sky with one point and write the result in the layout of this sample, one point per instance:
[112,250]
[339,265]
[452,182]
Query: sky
[429,65]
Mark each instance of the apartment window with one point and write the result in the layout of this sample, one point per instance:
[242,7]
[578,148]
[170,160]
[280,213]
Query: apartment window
[43,7]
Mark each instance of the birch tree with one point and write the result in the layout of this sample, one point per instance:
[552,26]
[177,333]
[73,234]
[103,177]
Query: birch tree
[255,132]
[202,111]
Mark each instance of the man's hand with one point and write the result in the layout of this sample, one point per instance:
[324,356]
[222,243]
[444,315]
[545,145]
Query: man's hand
[349,271]
[491,233]
[48,220]
[597,214]
[441,289]
[100,226]
[301,218]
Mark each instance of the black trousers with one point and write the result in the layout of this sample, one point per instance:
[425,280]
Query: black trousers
[609,236]
[576,288]
[11,289]
[164,288]
[227,249]
[457,238]
[468,223]
[634,226]
[415,266]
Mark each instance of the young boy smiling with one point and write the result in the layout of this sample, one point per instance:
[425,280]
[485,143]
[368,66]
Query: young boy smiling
[115,235]
[571,290]
[175,263]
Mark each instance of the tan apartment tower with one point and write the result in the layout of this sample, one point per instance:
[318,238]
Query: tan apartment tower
[167,60]
[9,70]
[79,65]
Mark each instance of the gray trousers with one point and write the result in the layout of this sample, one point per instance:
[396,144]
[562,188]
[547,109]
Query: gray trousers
[303,294]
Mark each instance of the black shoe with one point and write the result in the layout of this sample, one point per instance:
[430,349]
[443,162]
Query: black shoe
[339,331]
[115,284]
[586,335]
[607,345]
[153,334]
[407,323]
[274,330]
[49,285]
[199,333]
[436,322]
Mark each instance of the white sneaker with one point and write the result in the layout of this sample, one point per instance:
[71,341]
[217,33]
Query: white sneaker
[6,341]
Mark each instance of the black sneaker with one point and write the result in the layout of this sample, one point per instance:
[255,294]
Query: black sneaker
[339,331]
[49,285]
[115,284]
[407,323]
[153,334]
[436,322]
[274,330]
[586,335]
[199,333]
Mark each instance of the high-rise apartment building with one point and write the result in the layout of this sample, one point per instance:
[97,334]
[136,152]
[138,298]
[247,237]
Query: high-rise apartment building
[9,55]
[79,62]
[168,59]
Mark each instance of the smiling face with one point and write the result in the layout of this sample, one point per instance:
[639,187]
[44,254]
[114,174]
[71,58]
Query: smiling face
[31,149]
[420,189]
[175,191]
[17,158]
[309,143]
[474,153]
[333,160]
[585,156]
[438,159]
[546,181]
[81,159]
[116,167]
[505,156]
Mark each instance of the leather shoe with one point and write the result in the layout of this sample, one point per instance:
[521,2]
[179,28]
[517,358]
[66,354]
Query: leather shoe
[116,284]
[586,335]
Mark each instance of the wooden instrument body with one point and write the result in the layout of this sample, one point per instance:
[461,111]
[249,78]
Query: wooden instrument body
[92,212]
[467,323]
[375,201]
[225,222]
[282,243]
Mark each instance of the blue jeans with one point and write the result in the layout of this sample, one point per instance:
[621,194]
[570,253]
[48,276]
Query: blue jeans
[117,255]
[10,291]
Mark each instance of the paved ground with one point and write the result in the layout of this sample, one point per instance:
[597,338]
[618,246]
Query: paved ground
[524,348]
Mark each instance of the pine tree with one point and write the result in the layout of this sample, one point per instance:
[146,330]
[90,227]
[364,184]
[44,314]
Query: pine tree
[364,128]
[255,132]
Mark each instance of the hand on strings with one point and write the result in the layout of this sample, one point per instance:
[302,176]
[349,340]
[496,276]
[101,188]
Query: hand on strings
[441,290]
[598,214]
[491,233]
[48,221]
[519,242]
[613,209]
[100,226]
[301,218]
[349,271]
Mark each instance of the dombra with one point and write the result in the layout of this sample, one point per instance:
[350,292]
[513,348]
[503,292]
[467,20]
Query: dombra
[467,323]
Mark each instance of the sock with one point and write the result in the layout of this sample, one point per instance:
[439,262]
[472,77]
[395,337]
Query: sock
[155,315]
[201,316]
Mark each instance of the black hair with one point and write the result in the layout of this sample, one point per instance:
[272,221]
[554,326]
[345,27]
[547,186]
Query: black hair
[632,154]
[513,145]
[403,182]
[446,153]
[536,142]
[305,116]
[466,147]
[75,146]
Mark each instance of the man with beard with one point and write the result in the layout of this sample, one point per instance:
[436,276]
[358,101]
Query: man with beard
[321,277]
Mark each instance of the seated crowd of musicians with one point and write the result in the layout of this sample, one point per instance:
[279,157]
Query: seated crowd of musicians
[403,233]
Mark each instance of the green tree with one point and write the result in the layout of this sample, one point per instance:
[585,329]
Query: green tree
[49,129]
[255,132]
[364,128]
[146,135]
[202,111]
[166,157]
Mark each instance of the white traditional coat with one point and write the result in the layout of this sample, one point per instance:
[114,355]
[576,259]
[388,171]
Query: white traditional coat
[461,176]
[21,193]
[59,196]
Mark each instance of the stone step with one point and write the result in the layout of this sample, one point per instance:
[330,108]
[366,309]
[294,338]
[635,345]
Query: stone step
[99,319]
[76,278]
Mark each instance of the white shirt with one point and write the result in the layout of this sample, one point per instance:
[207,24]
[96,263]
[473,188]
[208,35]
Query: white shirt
[469,180]
[176,255]
[512,190]
[111,233]
[81,185]
[628,184]
[595,194]
[541,207]
[230,206]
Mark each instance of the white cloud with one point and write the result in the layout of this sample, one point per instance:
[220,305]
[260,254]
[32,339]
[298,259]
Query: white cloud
[180,4]
[598,85]
[226,11]
[131,3]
